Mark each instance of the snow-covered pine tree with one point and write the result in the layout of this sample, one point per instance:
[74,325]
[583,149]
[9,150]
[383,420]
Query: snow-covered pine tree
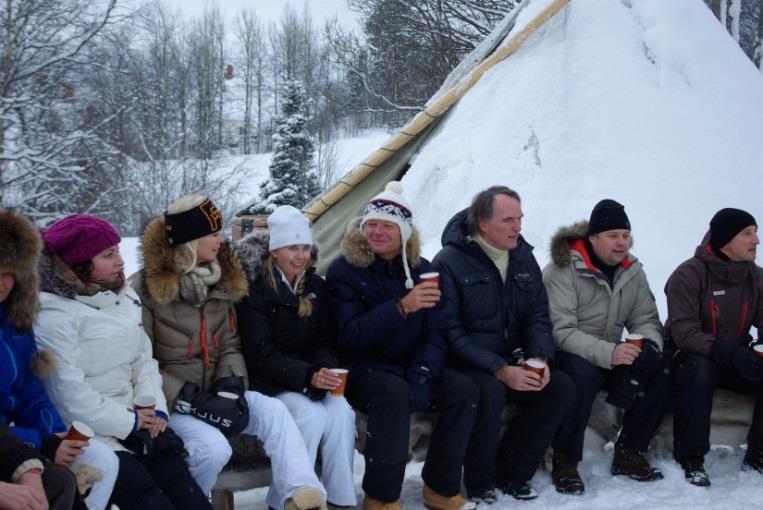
[293,180]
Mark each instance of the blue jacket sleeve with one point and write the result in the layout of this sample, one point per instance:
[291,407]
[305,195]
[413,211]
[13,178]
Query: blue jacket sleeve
[36,416]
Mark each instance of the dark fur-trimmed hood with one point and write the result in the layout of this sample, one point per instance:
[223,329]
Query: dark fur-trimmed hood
[161,275]
[358,252]
[560,251]
[57,278]
[20,246]
[252,251]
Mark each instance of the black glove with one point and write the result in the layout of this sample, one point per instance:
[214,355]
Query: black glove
[420,381]
[140,443]
[227,415]
[632,381]
[739,357]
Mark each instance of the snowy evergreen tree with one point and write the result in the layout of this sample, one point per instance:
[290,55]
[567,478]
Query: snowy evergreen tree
[293,180]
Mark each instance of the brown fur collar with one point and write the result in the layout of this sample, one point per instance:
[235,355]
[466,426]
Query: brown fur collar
[161,275]
[20,247]
[560,243]
[357,251]
[253,252]
[56,277]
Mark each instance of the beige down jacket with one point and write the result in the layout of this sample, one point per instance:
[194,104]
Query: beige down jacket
[587,314]
[191,343]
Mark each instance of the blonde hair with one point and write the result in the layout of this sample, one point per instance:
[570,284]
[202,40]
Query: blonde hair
[186,254]
[305,305]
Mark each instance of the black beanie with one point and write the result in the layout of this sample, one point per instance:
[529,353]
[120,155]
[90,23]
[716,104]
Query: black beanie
[608,215]
[726,224]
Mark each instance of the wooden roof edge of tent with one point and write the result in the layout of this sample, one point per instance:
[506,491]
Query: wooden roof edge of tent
[328,198]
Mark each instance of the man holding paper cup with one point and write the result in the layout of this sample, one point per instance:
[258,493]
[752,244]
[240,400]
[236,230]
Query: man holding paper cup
[596,288]
[496,315]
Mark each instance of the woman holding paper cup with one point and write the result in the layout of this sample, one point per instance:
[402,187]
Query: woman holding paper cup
[189,284]
[287,338]
[91,321]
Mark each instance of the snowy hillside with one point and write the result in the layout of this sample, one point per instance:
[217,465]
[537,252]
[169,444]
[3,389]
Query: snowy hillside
[254,170]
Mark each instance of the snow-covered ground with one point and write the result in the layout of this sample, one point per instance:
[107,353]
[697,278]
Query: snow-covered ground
[649,102]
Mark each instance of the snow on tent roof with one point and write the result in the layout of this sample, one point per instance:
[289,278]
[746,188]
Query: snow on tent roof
[647,102]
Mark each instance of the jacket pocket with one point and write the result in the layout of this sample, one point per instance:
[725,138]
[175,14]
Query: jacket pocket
[478,296]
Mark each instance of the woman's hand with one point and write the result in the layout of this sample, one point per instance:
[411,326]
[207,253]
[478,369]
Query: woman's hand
[68,451]
[148,420]
[325,379]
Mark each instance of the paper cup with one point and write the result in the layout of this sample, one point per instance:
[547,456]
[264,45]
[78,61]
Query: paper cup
[535,365]
[342,374]
[758,348]
[431,277]
[635,339]
[78,431]
[144,402]
[228,395]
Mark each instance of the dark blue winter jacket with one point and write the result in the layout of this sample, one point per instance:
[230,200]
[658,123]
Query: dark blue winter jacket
[23,400]
[371,332]
[487,318]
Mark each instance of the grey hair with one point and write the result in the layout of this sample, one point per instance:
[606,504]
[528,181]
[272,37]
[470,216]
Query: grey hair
[483,206]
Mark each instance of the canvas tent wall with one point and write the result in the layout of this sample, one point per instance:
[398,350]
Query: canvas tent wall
[331,211]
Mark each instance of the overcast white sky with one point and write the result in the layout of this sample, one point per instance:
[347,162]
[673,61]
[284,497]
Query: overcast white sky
[271,9]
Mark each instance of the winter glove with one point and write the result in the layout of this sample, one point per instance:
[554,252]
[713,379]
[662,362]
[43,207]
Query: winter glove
[229,416]
[739,357]
[420,381]
[632,381]
[141,444]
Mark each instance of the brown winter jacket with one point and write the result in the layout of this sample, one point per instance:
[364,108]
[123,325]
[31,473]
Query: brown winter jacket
[197,344]
[588,315]
[710,299]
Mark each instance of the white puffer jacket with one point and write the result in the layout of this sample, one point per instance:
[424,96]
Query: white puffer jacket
[104,357]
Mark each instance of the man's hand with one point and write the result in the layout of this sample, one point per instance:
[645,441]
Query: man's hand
[68,451]
[625,354]
[325,379]
[424,295]
[520,379]
[27,494]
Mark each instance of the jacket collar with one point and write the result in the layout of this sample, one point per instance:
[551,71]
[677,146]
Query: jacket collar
[568,246]
[455,234]
[252,250]
[161,274]
[725,271]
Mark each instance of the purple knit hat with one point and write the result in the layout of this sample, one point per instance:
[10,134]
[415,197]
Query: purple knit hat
[79,237]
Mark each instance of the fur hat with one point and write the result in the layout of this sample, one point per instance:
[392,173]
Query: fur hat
[20,248]
[391,205]
[608,215]
[79,237]
[726,224]
[288,226]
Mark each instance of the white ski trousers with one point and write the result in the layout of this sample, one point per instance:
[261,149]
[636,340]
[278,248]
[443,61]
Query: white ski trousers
[329,425]
[271,422]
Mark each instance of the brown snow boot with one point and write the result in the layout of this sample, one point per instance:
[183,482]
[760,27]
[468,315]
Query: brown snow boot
[435,501]
[370,503]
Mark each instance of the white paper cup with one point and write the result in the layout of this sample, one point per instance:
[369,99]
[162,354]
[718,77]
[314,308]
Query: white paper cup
[78,431]
[535,365]
[228,395]
[342,374]
[635,339]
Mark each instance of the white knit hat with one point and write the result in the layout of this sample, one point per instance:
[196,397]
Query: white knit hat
[288,226]
[391,205]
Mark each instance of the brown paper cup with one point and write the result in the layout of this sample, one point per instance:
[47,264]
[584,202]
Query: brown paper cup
[635,339]
[431,277]
[228,395]
[758,350]
[78,431]
[144,402]
[342,374]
